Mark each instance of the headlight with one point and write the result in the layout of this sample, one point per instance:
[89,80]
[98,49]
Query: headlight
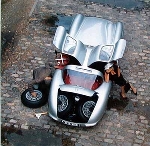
[87,108]
[106,52]
[62,103]
[70,45]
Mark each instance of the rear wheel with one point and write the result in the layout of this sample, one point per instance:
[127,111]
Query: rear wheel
[33,102]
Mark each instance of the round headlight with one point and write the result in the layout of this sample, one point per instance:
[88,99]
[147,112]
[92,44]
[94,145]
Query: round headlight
[62,103]
[87,108]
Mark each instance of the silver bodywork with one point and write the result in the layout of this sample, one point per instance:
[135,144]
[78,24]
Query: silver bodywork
[89,40]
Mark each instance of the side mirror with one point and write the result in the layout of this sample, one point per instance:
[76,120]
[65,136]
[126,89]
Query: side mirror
[119,49]
[59,37]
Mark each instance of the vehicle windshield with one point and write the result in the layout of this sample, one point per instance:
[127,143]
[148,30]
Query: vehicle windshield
[85,80]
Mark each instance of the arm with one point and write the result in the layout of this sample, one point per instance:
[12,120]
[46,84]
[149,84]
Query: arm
[119,71]
[30,86]
[118,68]
[106,77]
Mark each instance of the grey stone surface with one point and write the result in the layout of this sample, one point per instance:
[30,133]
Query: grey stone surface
[35,47]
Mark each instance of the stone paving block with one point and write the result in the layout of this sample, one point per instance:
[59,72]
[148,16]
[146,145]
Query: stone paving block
[108,140]
[5,84]
[67,133]
[46,126]
[75,135]
[78,144]
[127,144]
[111,136]
[7,124]
[10,116]
[136,144]
[58,133]
[13,121]
[25,127]
[7,111]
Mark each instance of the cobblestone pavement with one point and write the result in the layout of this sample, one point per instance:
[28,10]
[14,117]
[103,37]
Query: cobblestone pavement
[121,128]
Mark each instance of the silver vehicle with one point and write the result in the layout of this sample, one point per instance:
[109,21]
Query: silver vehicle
[78,94]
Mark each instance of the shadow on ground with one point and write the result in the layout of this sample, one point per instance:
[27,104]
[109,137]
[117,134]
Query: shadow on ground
[38,137]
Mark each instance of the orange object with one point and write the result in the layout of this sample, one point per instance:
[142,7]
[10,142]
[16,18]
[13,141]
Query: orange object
[62,61]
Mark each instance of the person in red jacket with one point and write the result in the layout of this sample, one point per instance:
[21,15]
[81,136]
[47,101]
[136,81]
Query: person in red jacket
[113,73]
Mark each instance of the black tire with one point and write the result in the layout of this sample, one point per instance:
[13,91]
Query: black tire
[29,101]
[85,110]
[64,106]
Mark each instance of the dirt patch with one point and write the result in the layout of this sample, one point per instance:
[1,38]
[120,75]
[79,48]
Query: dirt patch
[118,104]
[67,142]
[128,4]
[36,137]
[4,1]
[50,21]
[128,105]
[15,15]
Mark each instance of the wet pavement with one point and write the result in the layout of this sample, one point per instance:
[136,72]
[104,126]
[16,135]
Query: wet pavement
[35,137]
[14,13]
[14,20]
[124,123]
[128,4]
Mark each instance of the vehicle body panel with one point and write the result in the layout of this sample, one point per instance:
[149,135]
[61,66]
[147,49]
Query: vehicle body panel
[89,40]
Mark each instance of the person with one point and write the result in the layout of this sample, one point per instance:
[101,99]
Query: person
[113,73]
[43,75]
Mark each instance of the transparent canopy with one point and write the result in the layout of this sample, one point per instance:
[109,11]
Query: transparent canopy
[90,81]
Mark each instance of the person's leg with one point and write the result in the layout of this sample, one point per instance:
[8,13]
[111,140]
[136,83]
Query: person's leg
[133,89]
[123,94]
[121,82]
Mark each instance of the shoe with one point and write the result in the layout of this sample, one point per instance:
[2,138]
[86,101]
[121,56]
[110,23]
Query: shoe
[135,93]
[123,97]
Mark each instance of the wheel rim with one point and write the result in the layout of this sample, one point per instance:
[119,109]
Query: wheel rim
[87,108]
[31,98]
[62,103]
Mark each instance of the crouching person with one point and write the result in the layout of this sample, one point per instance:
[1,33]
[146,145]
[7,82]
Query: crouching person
[112,72]
[41,77]
[38,88]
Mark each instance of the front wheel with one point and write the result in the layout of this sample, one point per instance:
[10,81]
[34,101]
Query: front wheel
[33,102]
